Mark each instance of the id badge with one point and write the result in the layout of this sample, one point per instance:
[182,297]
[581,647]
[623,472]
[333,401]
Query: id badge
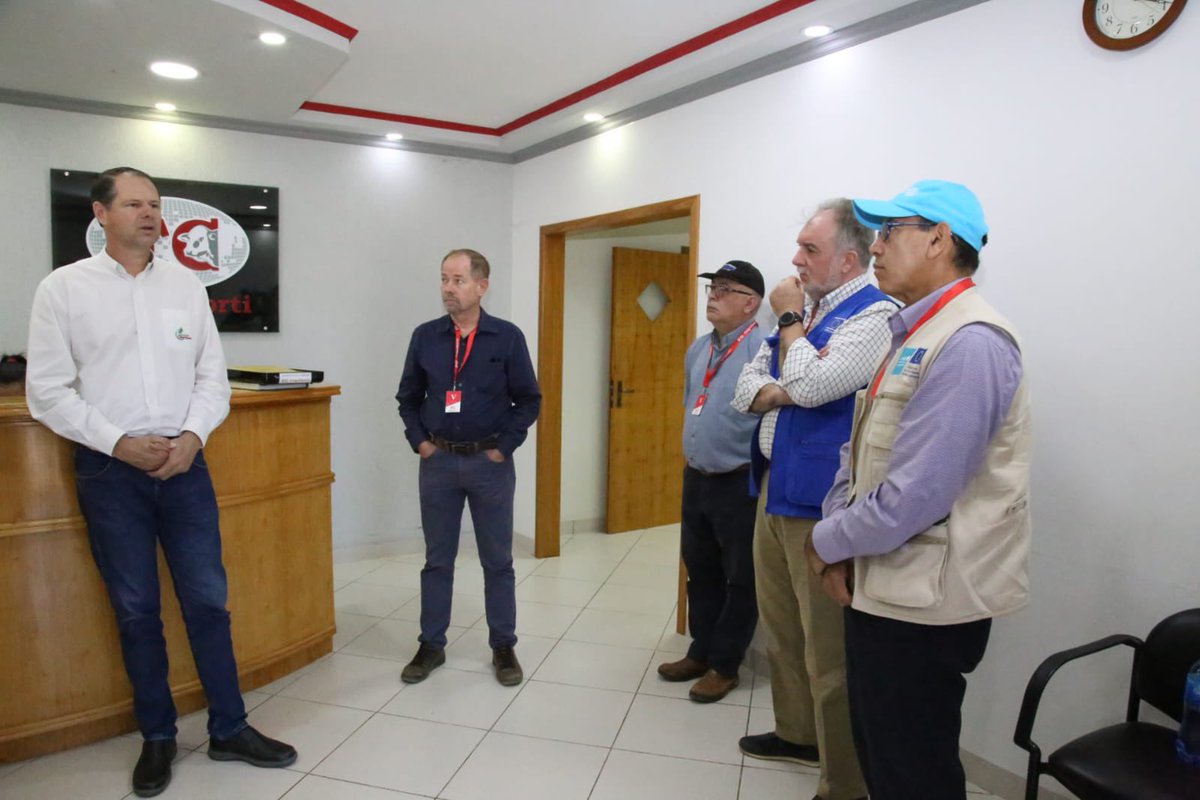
[453,401]
[696,409]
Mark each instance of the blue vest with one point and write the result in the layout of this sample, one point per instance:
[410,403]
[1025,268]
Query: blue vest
[808,441]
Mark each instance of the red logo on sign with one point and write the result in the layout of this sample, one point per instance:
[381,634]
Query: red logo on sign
[195,244]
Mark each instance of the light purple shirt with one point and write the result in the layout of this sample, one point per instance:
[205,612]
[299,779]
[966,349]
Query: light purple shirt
[941,440]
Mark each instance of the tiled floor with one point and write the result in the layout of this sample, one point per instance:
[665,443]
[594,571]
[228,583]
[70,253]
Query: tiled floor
[591,721]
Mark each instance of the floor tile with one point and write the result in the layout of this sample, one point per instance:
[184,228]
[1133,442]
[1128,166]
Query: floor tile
[603,545]
[350,626]
[471,699]
[557,591]
[394,639]
[662,551]
[314,787]
[468,578]
[346,680]
[394,573]
[637,573]
[639,599]
[277,685]
[653,684]
[541,619]
[638,776]
[198,777]
[566,713]
[762,696]
[399,753]
[579,567]
[616,627]
[371,599]
[465,610]
[530,769]
[770,784]
[6,769]
[600,666]
[99,771]
[672,642]
[314,729]
[667,727]
[354,570]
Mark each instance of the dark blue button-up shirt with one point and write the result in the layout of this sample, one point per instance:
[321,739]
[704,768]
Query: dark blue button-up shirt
[500,395]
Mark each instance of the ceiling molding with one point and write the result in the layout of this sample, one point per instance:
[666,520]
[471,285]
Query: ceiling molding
[865,31]
[96,107]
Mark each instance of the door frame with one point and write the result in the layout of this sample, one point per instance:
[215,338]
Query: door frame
[548,486]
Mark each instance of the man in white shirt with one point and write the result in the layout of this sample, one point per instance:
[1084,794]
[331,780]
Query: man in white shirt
[124,359]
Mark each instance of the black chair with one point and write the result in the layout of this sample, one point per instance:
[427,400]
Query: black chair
[1132,760]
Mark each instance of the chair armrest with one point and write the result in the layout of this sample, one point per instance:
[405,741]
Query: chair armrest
[1042,675]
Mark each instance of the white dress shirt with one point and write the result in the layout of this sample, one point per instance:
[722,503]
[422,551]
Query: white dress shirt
[811,379]
[112,354]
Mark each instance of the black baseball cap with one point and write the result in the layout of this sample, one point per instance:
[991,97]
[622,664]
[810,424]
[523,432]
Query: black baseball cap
[742,272]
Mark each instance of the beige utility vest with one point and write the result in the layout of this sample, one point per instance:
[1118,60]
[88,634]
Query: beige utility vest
[974,563]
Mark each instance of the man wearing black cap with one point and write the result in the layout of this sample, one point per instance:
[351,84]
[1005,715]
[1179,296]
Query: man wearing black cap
[718,512]
[833,328]
[926,533]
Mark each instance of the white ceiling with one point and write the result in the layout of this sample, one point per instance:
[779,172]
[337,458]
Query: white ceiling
[476,63]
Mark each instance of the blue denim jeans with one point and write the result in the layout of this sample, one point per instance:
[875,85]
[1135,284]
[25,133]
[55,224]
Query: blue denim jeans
[127,514]
[446,480]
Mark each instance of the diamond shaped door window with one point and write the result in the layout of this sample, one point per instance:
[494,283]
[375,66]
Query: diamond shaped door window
[653,300]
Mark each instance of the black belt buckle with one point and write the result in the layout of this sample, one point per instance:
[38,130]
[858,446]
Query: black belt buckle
[462,448]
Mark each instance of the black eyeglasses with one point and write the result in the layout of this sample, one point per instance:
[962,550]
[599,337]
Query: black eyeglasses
[888,225]
[719,290]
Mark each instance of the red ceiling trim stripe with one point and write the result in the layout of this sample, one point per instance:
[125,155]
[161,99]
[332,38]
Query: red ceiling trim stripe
[298,9]
[764,14]
[366,113]
[659,59]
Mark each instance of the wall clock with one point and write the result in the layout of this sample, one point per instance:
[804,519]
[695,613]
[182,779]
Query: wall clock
[1126,24]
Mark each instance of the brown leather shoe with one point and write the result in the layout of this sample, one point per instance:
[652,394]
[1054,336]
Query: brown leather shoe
[685,669]
[712,687]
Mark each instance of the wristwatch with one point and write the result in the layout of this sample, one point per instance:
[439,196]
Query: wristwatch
[789,318]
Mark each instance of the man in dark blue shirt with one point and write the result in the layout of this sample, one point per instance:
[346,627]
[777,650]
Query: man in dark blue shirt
[467,397]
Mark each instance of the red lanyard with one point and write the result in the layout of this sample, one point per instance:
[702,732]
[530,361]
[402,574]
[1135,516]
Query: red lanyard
[951,293]
[712,370]
[470,341]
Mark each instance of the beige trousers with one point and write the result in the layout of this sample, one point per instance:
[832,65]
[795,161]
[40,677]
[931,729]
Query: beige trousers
[805,650]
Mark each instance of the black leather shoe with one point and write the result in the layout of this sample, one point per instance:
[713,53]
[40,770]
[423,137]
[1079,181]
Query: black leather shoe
[252,747]
[508,670]
[153,770]
[427,659]
[770,747]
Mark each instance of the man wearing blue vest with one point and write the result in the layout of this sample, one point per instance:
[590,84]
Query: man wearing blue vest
[833,329]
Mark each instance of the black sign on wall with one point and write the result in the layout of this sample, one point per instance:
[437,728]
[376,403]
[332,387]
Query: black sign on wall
[227,234]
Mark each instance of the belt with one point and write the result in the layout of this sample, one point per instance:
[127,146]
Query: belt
[464,448]
[743,468]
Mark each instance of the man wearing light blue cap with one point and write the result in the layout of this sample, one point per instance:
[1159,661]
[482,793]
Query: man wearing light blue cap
[926,530]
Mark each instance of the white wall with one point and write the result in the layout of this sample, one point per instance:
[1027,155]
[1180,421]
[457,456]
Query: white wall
[362,232]
[587,314]
[1086,164]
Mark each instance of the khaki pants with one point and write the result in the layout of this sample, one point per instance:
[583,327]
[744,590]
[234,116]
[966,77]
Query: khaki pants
[806,651]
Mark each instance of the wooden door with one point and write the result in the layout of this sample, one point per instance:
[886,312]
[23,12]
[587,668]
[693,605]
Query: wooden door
[648,341]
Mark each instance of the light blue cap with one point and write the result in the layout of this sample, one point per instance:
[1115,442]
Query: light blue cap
[936,201]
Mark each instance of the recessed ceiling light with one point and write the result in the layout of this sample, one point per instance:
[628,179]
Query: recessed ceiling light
[266,224]
[813,31]
[272,38]
[172,69]
[168,107]
[394,137]
[258,208]
[593,117]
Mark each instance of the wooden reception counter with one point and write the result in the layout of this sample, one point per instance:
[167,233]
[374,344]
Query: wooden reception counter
[61,678]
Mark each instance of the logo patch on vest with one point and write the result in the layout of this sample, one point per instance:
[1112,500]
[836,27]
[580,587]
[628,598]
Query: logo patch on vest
[908,363]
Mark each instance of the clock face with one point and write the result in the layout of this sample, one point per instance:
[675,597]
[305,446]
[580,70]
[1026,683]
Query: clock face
[1125,19]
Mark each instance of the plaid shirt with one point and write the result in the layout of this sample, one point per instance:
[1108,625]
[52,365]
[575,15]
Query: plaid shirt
[810,379]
